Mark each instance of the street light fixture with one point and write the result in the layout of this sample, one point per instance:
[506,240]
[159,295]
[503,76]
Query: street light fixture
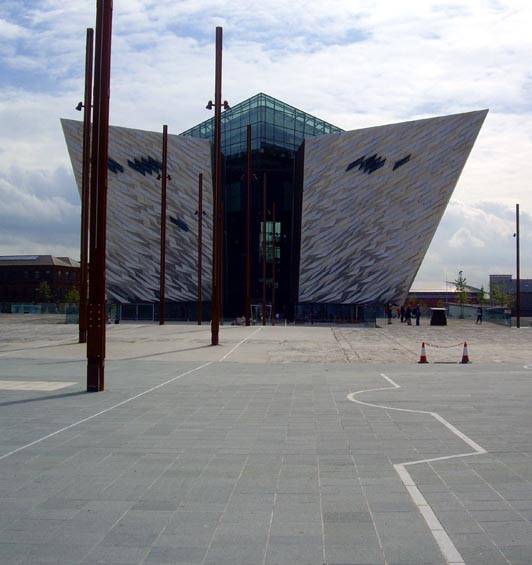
[225,105]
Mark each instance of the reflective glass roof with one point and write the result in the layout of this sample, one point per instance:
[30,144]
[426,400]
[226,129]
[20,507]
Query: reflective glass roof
[273,124]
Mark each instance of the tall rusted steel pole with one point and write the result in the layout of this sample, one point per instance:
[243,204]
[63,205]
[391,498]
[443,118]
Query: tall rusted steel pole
[162,273]
[264,204]
[518,269]
[248,229]
[85,189]
[98,199]
[217,227]
[200,245]
[273,265]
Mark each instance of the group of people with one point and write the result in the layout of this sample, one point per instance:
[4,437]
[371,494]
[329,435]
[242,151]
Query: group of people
[405,313]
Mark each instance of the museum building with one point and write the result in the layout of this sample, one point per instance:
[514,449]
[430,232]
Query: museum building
[347,220]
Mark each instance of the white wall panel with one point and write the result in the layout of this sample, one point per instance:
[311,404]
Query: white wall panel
[372,201]
[134,210]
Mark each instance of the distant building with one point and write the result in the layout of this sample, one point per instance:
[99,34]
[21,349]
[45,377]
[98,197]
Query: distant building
[508,285]
[431,298]
[21,276]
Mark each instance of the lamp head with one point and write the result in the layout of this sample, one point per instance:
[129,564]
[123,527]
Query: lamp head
[79,106]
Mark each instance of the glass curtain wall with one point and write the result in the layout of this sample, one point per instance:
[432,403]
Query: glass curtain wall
[277,131]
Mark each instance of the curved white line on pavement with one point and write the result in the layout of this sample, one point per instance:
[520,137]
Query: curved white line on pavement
[240,343]
[447,547]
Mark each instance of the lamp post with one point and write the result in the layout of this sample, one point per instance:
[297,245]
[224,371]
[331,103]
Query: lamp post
[218,218]
[85,187]
[98,199]
[162,273]
[518,270]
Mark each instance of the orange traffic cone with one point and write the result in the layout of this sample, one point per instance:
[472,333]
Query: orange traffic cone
[465,355]
[423,356]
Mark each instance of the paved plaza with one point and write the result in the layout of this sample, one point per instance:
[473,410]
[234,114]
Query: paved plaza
[286,445]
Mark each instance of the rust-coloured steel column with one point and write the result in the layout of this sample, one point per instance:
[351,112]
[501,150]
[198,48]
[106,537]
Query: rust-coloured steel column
[200,244]
[85,189]
[264,203]
[248,229]
[273,265]
[518,270]
[162,272]
[217,227]
[98,199]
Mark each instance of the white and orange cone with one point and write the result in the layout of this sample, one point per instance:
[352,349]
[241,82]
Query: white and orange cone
[465,355]
[423,356]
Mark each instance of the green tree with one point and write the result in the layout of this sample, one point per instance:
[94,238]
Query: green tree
[44,292]
[72,296]
[482,296]
[500,296]
[462,293]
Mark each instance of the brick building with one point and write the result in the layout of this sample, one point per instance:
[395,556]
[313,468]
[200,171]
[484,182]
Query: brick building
[22,275]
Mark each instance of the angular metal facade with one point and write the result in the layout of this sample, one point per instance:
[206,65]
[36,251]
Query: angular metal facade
[372,200]
[134,213]
[356,210]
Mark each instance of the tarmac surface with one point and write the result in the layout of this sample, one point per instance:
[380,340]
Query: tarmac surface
[283,445]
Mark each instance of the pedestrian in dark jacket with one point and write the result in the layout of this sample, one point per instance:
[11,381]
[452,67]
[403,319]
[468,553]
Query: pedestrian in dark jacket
[417,313]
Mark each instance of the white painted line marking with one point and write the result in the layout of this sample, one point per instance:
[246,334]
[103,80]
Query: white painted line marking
[103,411]
[240,343]
[472,444]
[447,547]
[21,448]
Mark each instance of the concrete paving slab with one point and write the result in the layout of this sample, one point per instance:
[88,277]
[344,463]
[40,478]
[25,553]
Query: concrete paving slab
[252,452]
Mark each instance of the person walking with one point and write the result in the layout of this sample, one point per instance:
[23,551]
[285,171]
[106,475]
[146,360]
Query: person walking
[408,315]
[417,313]
[389,312]
[479,315]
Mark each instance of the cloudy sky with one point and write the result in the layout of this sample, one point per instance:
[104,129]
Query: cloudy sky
[354,63]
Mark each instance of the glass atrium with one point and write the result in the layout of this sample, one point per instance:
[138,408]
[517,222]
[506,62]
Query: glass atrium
[277,132]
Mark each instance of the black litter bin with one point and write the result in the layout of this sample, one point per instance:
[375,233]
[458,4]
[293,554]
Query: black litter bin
[438,317]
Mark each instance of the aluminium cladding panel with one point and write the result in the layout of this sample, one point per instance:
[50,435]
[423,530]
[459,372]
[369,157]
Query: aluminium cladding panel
[134,210]
[372,200]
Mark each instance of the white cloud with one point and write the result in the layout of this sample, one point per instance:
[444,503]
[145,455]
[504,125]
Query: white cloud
[464,239]
[354,64]
[479,241]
